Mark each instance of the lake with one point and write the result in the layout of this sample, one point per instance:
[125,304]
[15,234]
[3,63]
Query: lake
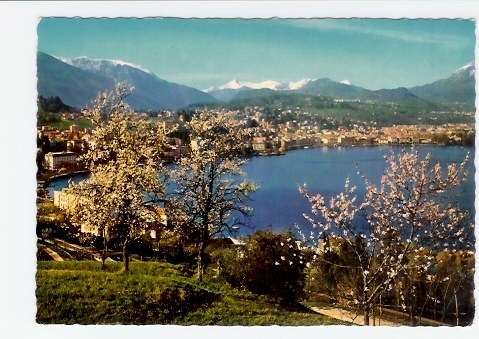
[278,203]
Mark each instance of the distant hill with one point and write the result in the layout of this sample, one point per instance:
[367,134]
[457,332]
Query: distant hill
[333,89]
[78,81]
[253,93]
[52,105]
[227,94]
[458,88]
[392,94]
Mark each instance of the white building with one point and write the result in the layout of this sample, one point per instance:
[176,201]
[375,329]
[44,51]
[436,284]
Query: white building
[66,201]
[55,160]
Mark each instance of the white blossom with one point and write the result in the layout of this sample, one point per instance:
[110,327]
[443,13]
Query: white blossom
[403,216]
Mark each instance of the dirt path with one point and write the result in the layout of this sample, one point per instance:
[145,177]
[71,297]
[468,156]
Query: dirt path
[54,255]
[352,317]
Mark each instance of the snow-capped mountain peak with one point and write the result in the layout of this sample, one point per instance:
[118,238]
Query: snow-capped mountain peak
[470,66]
[123,63]
[268,84]
[233,84]
[298,84]
[96,63]
[65,60]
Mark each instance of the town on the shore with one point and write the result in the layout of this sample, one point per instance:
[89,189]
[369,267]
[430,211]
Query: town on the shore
[267,137]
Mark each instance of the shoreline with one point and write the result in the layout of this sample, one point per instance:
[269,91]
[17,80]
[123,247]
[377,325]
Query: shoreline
[347,146]
[56,176]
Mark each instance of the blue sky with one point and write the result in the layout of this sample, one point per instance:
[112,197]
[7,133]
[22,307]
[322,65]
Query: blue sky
[371,53]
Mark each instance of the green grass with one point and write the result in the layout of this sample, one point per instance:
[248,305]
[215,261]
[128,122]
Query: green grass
[80,292]
[65,124]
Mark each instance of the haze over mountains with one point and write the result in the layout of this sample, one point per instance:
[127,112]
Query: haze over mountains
[78,81]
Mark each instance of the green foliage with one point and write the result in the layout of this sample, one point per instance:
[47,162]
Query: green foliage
[46,118]
[269,264]
[336,271]
[175,249]
[50,219]
[52,105]
[384,112]
[466,139]
[453,281]
[49,112]
[182,133]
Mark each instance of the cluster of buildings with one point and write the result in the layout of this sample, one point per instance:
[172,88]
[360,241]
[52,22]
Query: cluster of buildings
[273,138]
[77,140]
[305,132]
[73,142]
[265,140]
[176,148]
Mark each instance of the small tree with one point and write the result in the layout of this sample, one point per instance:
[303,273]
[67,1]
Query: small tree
[125,164]
[335,269]
[410,210]
[269,264]
[208,182]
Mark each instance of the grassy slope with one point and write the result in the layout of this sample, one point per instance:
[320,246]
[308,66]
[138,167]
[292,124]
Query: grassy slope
[79,292]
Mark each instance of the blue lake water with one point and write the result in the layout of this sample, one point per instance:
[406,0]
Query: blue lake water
[278,203]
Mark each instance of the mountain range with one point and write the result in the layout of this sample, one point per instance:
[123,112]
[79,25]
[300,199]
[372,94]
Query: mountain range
[458,88]
[78,81]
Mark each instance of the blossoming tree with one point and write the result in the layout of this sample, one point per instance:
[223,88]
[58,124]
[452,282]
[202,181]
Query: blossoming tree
[413,209]
[209,184]
[126,170]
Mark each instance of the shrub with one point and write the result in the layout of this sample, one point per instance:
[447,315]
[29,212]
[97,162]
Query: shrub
[269,264]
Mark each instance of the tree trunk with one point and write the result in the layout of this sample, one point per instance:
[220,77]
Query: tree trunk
[126,267]
[457,309]
[200,261]
[412,314]
[365,300]
[103,257]
[412,310]
[103,254]
[413,321]
[200,269]
[366,315]
[411,298]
